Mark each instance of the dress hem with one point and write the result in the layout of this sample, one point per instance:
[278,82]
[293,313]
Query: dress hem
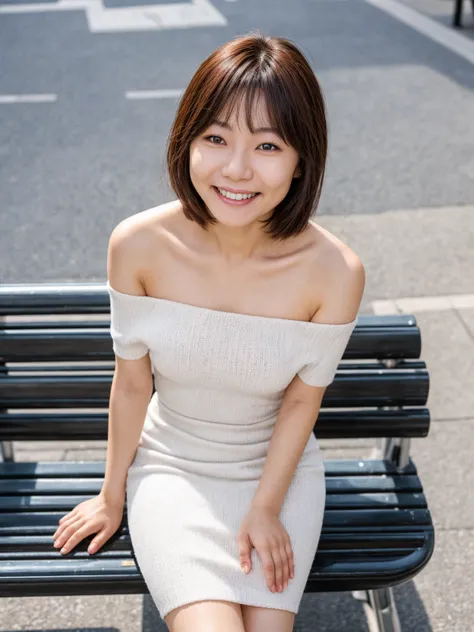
[243,602]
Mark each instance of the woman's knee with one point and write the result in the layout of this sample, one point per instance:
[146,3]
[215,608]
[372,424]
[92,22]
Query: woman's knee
[206,616]
[258,619]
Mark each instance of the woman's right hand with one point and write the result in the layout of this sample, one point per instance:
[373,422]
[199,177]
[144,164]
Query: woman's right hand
[95,515]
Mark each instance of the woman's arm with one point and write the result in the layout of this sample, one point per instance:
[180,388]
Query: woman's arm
[293,427]
[132,384]
[130,393]
[301,403]
[127,412]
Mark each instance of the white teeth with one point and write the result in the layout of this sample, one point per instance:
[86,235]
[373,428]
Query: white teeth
[236,196]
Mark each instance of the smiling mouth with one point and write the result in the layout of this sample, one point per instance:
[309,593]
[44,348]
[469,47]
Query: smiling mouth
[230,199]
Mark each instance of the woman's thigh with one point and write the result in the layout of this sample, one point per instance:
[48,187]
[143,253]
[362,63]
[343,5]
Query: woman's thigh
[206,616]
[258,619]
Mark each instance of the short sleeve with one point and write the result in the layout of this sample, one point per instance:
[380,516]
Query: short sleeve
[325,347]
[126,324]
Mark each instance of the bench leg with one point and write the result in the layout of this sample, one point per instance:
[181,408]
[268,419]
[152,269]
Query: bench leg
[383,605]
[393,449]
[457,13]
[380,609]
[6,451]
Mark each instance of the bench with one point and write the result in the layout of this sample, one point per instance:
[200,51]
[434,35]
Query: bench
[377,530]
[457,15]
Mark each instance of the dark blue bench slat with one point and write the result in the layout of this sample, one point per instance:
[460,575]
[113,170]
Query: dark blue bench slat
[336,501]
[96,469]
[334,485]
[341,554]
[332,571]
[336,521]
[37,426]
[363,389]
[92,341]
[27,547]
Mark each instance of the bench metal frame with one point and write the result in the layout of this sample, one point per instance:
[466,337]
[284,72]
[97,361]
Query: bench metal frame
[457,15]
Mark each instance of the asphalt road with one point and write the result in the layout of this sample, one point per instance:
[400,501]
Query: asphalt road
[400,112]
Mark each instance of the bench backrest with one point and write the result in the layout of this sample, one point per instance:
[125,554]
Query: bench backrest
[57,362]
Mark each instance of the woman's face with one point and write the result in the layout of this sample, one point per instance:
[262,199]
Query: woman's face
[234,159]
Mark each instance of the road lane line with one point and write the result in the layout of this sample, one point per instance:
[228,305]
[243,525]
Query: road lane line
[153,94]
[42,7]
[27,98]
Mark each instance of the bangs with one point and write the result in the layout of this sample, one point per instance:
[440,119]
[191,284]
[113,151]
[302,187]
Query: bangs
[245,90]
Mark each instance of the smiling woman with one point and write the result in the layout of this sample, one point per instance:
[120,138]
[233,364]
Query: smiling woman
[253,115]
[241,308]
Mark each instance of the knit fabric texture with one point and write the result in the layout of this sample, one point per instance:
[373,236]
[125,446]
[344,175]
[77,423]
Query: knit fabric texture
[219,380]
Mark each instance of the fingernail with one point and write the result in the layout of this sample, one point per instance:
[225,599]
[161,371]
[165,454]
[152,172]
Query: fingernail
[246,568]
[56,544]
[63,550]
[280,588]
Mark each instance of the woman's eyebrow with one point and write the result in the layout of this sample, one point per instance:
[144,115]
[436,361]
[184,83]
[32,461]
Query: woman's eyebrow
[257,130]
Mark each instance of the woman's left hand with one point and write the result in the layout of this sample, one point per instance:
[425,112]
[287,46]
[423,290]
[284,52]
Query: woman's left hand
[262,529]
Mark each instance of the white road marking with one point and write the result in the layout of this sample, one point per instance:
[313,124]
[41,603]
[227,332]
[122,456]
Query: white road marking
[27,98]
[153,94]
[414,304]
[439,33]
[46,7]
[153,17]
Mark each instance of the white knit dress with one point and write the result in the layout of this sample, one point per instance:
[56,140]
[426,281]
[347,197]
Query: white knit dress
[220,378]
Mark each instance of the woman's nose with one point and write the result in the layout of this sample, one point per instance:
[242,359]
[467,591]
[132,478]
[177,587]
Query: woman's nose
[237,167]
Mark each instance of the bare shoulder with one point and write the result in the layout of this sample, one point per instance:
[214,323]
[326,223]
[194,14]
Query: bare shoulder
[340,274]
[132,242]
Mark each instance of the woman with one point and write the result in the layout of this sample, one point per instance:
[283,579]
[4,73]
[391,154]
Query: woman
[240,308]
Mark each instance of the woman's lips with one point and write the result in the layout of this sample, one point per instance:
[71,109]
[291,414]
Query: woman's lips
[235,202]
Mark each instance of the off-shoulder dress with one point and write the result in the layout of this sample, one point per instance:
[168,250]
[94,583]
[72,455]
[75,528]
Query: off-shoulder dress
[219,381]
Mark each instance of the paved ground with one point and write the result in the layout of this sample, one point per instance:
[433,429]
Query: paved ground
[399,190]
[442,11]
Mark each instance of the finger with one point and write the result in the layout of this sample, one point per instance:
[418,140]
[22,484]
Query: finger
[267,565]
[99,540]
[68,515]
[67,526]
[286,565]
[278,563]
[68,532]
[65,520]
[291,558]
[245,549]
[79,535]
[60,530]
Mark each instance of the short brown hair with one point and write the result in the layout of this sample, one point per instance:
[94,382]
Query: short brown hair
[242,68]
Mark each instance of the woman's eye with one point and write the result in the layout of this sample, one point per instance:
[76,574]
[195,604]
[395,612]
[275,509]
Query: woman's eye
[209,138]
[213,136]
[271,145]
